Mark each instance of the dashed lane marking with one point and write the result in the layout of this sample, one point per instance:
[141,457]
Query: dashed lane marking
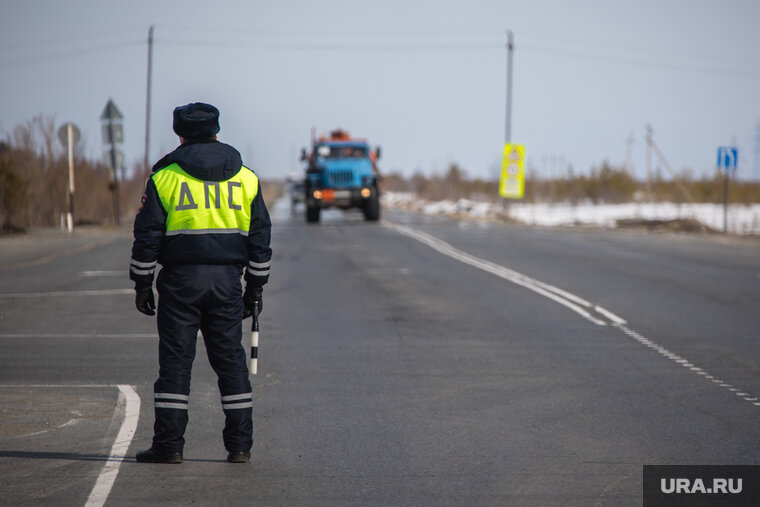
[54,386]
[89,274]
[77,335]
[59,255]
[104,292]
[567,299]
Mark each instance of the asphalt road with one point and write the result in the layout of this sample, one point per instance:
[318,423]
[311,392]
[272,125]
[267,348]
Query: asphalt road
[395,369]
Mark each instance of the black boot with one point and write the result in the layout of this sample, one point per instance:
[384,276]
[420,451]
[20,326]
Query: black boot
[153,456]
[239,457]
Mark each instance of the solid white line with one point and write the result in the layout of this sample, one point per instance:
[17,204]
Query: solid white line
[556,294]
[110,470]
[77,335]
[106,292]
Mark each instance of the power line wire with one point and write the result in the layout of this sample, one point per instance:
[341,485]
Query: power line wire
[632,61]
[253,32]
[57,42]
[544,39]
[496,38]
[250,45]
[333,47]
[63,55]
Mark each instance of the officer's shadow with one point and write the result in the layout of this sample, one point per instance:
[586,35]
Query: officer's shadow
[75,456]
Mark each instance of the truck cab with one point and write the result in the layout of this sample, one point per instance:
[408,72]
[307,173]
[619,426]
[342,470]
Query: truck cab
[342,173]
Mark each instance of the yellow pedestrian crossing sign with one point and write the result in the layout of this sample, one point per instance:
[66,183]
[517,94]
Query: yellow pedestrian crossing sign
[512,182]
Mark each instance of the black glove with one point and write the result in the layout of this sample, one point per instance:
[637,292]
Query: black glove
[251,296]
[144,301]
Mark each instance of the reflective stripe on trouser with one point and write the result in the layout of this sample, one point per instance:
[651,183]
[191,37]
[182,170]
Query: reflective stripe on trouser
[209,298]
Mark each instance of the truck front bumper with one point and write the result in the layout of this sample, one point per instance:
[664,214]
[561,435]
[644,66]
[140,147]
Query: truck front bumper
[339,198]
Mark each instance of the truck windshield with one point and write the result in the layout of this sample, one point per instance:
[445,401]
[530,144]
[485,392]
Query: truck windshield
[335,152]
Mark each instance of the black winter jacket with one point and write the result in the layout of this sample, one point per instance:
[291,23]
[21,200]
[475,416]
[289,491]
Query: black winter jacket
[207,161]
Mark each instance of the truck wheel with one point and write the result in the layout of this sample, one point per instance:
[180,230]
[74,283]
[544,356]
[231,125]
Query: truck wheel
[372,207]
[312,214]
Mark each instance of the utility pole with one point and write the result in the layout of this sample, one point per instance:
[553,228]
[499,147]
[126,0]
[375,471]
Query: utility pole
[685,191]
[756,158]
[147,101]
[510,48]
[69,135]
[725,201]
[726,181]
[113,134]
[628,149]
[508,126]
[649,162]
[70,146]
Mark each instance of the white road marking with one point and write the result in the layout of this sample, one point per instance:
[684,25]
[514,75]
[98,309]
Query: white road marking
[77,335]
[57,385]
[104,273]
[614,318]
[70,422]
[575,303]
[128,397]
[59,255]
[571,301]
[110,470]
[105,292]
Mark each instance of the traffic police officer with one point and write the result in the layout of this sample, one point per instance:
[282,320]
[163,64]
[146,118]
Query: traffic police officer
[204,220]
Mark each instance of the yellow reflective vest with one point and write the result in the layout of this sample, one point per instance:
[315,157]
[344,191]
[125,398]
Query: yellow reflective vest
[194,206]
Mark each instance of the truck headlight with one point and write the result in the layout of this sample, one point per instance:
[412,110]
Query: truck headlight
[317,194]
[366,192]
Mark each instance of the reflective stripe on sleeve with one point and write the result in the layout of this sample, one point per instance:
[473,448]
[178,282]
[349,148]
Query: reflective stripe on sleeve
[259,265]
[258,273]
[142,271]
[143,264]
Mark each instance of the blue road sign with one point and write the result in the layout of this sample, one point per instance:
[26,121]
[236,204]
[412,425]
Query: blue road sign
[728,157]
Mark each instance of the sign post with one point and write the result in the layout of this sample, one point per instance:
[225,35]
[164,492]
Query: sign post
[113,134]
[69,136]
[728,158]
[512,182]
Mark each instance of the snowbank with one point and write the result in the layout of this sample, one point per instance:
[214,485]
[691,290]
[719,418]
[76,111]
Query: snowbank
[742,219]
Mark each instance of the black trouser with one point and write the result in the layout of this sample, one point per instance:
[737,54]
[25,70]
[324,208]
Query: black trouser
[209,298]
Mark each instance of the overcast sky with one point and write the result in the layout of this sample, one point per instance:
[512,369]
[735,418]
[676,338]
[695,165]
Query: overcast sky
[426,80]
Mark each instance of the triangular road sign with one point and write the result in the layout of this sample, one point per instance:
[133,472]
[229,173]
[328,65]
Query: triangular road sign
[111,112]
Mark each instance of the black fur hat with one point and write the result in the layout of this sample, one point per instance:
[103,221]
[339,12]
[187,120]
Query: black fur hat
[196,122]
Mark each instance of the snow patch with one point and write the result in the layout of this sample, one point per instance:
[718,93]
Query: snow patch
[742,219]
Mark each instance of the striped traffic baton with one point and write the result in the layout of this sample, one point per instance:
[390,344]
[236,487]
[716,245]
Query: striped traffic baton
[253,364]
